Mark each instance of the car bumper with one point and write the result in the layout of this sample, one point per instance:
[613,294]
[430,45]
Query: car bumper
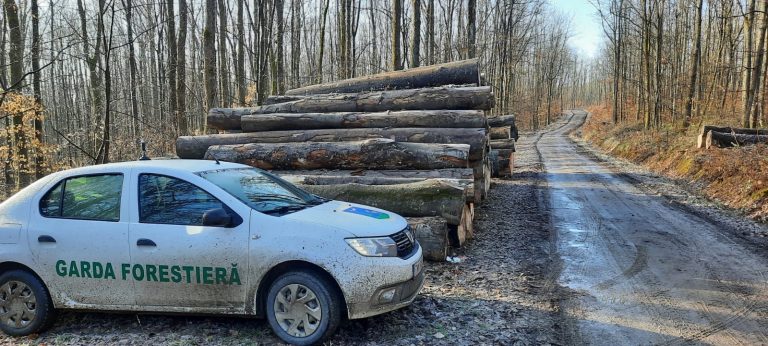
[391,293]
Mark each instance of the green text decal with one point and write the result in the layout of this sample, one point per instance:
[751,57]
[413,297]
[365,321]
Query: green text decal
[150,272]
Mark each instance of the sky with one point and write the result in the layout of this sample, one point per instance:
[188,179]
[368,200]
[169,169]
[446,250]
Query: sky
[586,32]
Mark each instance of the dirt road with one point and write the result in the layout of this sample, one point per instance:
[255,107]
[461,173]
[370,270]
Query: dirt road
[636,269]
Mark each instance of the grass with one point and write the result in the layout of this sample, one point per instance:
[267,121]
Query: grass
[736,177]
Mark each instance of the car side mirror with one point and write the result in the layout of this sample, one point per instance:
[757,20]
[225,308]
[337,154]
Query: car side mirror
[217,218]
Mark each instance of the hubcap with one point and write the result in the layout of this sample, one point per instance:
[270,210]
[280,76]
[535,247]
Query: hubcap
[297,310]
[17,304]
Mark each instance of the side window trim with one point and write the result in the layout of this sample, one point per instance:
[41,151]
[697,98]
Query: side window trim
[235,215]
[63,183]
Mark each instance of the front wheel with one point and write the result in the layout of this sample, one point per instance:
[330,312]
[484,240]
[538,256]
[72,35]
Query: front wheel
[25,306]
[303,308]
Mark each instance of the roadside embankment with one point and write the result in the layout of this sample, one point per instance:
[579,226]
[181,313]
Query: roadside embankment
[735,177]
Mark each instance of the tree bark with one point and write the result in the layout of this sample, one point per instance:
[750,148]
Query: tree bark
[425,198]
[694,66]
[471,28]
[502,144]
[398,119]
[480,98]
[702,138]
[446,173]
[502,120]
[500,132]
[397,19]
[369,154]
[181,71]
[432,235]
[416,34]
[194,147]
[453,73]
[726,140]
[209,56]
[38,121]
[301,179]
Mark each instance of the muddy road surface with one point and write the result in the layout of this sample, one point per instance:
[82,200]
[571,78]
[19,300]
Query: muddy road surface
[635,268]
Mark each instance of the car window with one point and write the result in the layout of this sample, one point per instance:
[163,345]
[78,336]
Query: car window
[167,200]
[92,197]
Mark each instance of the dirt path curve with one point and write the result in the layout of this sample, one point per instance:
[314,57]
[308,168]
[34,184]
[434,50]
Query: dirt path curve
[640,270]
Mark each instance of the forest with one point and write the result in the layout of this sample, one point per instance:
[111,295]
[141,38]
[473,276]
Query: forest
[83,81]
[683,62]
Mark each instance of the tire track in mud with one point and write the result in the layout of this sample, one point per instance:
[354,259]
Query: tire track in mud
[726,314]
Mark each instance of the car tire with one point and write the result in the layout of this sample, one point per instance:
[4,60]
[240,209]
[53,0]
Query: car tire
[292,306]
[27,300]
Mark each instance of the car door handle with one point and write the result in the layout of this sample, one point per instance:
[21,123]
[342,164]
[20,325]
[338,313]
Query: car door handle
[45,239]
[145,242]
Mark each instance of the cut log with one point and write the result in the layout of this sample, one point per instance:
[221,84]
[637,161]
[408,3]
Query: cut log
[726,140]
[378,101]
[194,147]
[458,72]
[466,184]
[503,120]
[500,133]
[275,99]
[425,198]
[493,156]
[502,144]
[310,121]
[226,118]
[432,235]
[369,154]
[448,173]
[364,180]
[467,217]
[707,128]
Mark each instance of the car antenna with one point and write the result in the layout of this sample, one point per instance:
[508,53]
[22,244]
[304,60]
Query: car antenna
[207,152]
[143,156]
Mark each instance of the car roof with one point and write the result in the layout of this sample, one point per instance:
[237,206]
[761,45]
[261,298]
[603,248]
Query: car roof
[191,166]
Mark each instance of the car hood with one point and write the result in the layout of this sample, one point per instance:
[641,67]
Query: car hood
[360,220]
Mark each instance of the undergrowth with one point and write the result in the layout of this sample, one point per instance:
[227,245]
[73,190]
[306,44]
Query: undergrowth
[736,177]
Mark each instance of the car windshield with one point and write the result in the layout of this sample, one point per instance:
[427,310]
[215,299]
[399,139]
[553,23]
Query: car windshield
[262,191]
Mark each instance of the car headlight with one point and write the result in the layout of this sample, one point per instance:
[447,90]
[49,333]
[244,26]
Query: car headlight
[374,247]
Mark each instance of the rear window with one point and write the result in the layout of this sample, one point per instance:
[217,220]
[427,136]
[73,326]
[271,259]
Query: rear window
[91,197]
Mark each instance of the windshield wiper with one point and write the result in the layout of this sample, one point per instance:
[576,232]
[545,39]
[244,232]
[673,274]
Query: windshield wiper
[269,196]
[285,209]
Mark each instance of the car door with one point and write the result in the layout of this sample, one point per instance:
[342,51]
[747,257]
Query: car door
[78,234]
[179,262]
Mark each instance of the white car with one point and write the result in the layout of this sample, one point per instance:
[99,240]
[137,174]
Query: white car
[193,236]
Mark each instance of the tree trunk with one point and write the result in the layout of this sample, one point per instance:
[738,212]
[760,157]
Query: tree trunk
[240,60]
[398,119]
[397,19]
[209,56]
[500,132]
[416,34]
[38,122]
[181,71]
[446,173]
[194,147]
[694,66]
[319,77]
[702,138]
[726,140]
[502,144]
[369,154]
[503,120]
[363,180]
[279,60]
[378,101]
[16,56]
[425,198]
[471,28]
[226,95]
[432,235]
[170,30]
[453,73]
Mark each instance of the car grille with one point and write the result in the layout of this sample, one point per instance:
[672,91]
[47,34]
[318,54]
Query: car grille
[404,243]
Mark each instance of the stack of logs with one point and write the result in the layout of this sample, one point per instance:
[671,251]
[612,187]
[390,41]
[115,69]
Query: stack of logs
[503,134]
[414,142]
[726,137]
